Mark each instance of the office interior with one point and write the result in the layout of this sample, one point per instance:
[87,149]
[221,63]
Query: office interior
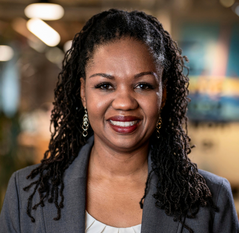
[206,30]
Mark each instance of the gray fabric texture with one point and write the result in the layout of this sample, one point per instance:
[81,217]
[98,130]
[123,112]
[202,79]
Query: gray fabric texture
[13,217]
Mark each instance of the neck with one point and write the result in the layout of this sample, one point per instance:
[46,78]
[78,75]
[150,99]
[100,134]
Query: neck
[108,163]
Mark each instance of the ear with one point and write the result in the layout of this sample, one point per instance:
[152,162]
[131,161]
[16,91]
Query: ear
[82,92]
[164,96]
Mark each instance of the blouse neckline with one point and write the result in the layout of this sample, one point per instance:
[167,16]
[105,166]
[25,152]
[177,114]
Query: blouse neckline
[94,226]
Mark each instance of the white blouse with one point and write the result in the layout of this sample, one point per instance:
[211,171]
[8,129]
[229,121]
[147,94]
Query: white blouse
[94,226]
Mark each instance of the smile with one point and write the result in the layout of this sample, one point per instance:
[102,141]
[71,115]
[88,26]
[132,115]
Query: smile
[123,123]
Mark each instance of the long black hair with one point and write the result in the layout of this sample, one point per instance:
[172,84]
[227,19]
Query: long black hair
[182,189]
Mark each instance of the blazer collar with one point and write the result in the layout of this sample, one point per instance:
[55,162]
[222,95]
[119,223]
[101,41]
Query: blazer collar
[154,220]
[73,214]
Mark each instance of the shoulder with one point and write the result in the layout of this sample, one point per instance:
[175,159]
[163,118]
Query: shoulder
[21,175]
[219,186]
[225,218]
[216,183]
[13,215]
[19,180]
[26,170]
[212,179]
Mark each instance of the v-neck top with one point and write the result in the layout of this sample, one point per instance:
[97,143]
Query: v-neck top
[94,226]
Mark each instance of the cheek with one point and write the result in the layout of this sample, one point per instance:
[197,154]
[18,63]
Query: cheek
[96,109]
[153,113]
[152,106]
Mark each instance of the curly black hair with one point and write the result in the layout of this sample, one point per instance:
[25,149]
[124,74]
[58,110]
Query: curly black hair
[181,190]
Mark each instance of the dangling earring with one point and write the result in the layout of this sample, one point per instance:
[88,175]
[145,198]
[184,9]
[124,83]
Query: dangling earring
[158,126]
[85,124]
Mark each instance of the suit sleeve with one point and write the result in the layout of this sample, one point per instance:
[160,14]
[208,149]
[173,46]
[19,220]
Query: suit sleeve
[10,217]
[226,219]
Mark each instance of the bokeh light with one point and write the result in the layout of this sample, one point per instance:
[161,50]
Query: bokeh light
[227,3]
[46,11]
[6,53]
[43,31]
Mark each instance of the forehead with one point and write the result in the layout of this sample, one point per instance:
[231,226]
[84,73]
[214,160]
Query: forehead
[127,53]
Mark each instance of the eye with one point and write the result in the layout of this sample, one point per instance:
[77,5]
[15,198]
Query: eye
[104,86]
[144,86]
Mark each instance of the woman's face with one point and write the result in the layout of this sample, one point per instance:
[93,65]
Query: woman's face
[123,94]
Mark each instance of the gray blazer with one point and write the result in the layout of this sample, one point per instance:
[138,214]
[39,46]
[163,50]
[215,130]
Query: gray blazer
[13,217]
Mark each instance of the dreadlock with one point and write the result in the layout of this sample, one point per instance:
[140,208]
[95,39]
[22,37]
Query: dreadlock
[181,190]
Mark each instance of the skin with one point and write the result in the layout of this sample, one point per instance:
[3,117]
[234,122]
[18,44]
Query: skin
[122,79]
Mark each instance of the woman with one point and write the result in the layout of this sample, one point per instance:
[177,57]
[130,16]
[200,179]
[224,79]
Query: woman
[124,78]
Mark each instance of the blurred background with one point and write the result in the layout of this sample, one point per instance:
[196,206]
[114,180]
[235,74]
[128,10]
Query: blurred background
[33,41]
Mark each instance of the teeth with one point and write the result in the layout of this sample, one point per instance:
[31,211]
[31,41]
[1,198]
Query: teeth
[123,123]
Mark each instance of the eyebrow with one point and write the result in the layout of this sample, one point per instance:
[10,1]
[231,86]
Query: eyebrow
[145,73]
[112,77]
[102,75]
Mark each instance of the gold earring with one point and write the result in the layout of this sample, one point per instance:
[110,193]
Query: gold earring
[158,126]
[85,124]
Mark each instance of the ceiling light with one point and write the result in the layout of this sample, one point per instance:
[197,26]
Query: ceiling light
[44,32]
[227,3]
[44,10]
[6,53]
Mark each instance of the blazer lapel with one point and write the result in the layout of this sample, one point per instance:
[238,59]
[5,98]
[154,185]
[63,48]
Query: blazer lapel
[73,214]
[72,220]
[154,219]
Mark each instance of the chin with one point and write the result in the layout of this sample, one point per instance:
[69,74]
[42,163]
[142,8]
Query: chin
[127,144]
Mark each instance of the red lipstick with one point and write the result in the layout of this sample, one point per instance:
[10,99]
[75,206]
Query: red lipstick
[124,124]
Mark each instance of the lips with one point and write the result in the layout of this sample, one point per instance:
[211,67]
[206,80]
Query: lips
[124,124]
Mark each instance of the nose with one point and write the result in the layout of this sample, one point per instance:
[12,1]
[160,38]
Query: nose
[125,100]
